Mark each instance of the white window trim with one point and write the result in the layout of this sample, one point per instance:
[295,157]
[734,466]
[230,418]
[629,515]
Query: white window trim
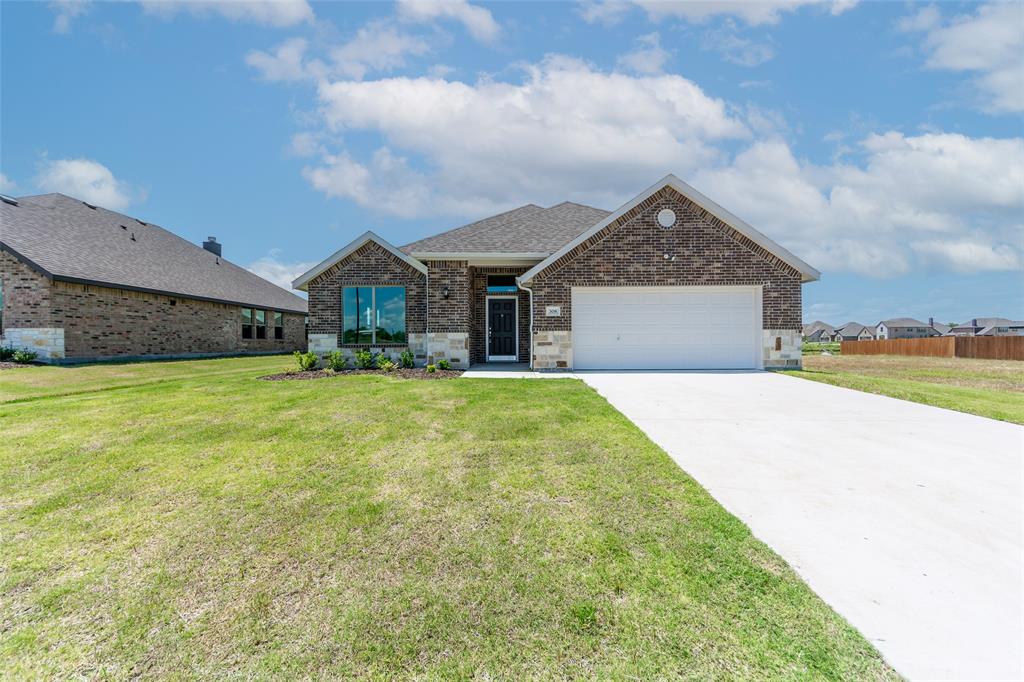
[487,329]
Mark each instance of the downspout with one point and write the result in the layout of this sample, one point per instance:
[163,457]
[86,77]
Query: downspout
[426,322]
[530,292]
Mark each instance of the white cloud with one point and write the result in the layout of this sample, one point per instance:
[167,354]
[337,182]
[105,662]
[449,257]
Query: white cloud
[649,57]
[84,179]
[286,63]
[697,11]
[912,197]
[969,256]
[281,273]
[735,48]
[478,21]
[7,185]
[66,11]
[279,13]
[988,43]
[487,145]
[377,46]
[305,144]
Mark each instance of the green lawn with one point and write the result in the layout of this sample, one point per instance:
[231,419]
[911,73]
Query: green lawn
[817,347]
[186,520]
[989,388]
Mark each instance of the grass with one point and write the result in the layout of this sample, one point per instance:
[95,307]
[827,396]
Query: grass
[817,347]
[989,388]
[186,520]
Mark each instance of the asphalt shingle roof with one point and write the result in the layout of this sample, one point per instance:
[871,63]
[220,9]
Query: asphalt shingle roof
[904,322]
[70,240]
[527,229]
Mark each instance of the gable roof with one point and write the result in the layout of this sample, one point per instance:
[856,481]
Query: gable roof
[808,273]
[899,322]
[852,329]
[341,254]
[529,230]
[941,328]
[817,325]
[70,240]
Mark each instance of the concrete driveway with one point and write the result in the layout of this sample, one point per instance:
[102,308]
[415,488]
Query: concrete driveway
[906,519]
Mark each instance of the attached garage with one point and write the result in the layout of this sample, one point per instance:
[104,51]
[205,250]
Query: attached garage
[671,327]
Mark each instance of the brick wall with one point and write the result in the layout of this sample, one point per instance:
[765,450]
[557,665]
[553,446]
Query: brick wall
[450,314]
[101,322]
[26,294]
[369,265]
[631,253]
[478,326]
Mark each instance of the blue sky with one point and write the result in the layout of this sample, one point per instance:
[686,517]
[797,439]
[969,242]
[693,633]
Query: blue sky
[881,142]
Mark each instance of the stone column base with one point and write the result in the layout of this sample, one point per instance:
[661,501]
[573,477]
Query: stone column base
[552,350]
[450,346]
[783,349]
[47,342]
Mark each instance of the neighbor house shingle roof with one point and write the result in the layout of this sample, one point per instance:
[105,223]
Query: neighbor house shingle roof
[527,229]
[69,240]
[809,329]
[852,329]
[903,322]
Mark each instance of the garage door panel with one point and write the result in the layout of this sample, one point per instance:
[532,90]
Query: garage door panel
[684,328]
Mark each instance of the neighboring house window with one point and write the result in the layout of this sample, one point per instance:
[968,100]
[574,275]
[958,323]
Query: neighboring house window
[261,324]
[373,315]
[278,325]
[246,323]
[501,284]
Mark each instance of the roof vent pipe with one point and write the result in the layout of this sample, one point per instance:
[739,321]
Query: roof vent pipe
[212,246]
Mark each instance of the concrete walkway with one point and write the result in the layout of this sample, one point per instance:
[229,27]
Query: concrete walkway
[906,519]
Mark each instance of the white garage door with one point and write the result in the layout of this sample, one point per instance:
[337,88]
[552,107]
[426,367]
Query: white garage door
[712,327]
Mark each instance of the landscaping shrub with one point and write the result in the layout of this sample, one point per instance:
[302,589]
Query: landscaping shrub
[24,356]
[307,361]
[336,360]
[6,353]
[431,369]
[365,359]
[386,364]
[444,364]
[407,359]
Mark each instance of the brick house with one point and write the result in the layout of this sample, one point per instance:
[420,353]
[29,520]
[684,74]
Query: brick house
[904,328]
[668,280]
[81,283]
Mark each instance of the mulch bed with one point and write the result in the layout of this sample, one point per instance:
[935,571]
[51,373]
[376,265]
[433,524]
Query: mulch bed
[13,365]
[414,373]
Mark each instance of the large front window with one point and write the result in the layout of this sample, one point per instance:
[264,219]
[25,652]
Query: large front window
[373,315]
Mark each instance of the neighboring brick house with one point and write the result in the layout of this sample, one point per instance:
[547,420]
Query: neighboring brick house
[904,328]
[668,280]
[80,283]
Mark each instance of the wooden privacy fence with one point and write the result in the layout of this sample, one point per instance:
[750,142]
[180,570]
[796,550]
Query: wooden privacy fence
[987,347]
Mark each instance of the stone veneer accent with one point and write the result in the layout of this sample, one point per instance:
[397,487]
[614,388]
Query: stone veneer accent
[783,349]
[66,321]
[552,350]
[450,346]
[47,343]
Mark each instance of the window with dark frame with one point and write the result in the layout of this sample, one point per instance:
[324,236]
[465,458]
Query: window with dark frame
[278,325]
[373,315]
[246,323]
[261,324]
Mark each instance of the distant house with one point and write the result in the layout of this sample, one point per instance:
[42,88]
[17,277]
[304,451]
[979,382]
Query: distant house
[79,282]
[854,331]
[904,328]
[818,332]
[989,326]
[942,329]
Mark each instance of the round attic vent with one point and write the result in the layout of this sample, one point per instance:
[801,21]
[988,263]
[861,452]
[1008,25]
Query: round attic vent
[666,217]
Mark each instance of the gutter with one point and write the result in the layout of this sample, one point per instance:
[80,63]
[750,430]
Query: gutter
[530,292]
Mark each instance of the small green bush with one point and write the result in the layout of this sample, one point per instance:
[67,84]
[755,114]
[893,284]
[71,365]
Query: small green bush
[431,369]
[6,353]
[307,361]
[407,359]
[25,356]
[336,360]
[386,364]
[365,359]
[444,364]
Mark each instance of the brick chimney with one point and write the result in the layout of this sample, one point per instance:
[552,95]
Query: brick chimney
[212,246]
